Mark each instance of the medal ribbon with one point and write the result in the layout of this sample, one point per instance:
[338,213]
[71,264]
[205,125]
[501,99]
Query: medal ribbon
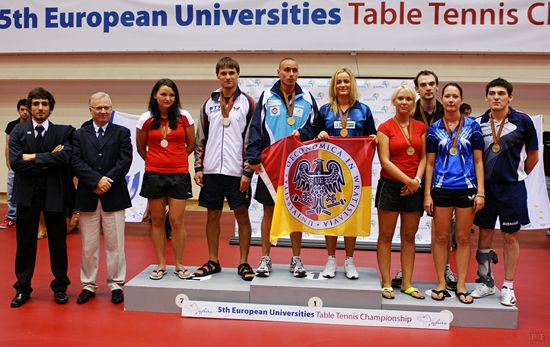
[343,116]
[423,114]
[409,137]
[496,137]
[226,107]
[450,133]
[289,106]
[164,129]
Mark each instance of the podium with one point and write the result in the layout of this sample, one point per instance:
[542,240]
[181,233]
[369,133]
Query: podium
[281,288]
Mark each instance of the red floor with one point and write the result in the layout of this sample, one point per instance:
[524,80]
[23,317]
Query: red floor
[41,322]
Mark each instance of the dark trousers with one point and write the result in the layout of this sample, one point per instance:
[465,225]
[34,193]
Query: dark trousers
[25,258]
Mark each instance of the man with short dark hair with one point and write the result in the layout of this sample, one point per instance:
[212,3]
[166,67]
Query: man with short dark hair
[39,153]
[9,221]
[102,155]
[511,153]
[283,108]
[219,164]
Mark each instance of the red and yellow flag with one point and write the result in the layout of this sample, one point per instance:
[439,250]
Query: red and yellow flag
[320,187]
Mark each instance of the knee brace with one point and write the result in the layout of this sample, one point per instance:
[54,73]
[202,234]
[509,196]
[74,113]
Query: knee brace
[485,263]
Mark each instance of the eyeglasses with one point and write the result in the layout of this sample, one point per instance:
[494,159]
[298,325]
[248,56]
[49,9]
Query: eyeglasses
[101,108]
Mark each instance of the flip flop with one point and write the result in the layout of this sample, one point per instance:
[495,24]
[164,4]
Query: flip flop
[387,293]
[462,298]
[183,274]
[443,292]
[411,290]
[157,274]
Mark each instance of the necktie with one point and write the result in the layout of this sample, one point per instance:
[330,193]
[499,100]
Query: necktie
[100,135]
[39,138]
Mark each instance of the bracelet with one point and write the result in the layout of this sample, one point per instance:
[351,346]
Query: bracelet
[418,179]
[480,195]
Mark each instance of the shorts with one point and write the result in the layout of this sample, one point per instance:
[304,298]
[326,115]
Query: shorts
[217,187]
[462,198]
[508,202]
[262,194]
[388,197]
[157,185]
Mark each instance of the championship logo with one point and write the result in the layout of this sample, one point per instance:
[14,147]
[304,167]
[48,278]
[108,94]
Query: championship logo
[323,185]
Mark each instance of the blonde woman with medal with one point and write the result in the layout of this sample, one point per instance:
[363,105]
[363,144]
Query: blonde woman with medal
[342,116]
[454,183]
[401,149]
[165,136]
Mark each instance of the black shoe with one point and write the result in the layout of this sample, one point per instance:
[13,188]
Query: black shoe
[117,296]
[85,296]
[20,299]
[60,297]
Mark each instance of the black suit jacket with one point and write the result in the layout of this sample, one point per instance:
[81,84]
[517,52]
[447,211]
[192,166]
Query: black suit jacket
[48,167]
[91,161]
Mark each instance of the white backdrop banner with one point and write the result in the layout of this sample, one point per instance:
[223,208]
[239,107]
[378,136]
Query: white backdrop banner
[270,25]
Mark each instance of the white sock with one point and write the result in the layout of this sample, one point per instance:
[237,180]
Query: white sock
[447,267]
[508,284]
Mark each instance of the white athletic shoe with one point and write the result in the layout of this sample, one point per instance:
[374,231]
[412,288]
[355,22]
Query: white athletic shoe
[265,267]
[330,268]
[297,267]
[482,290]
[349,268]
[507,297]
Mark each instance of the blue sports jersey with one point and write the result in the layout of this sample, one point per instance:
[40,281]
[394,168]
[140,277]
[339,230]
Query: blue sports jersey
[270,121]
[518,136]
[454,171]
[360,122]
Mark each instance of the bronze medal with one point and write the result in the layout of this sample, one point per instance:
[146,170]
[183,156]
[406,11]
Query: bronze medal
[344,132]
[164,143]
[496,135]
[453,151]
[410,151]
[290,121]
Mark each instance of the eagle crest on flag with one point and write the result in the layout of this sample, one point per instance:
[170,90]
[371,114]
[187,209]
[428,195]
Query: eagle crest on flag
[318,187]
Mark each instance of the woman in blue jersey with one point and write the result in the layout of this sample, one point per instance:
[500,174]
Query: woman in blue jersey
[454,183]
[344,116]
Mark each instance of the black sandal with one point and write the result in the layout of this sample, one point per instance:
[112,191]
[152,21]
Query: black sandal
[208,268]
[246,272]
[462,296]
[440,294]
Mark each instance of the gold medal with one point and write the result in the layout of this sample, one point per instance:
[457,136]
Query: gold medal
[453,151]
[407,137]
[290,120]
[344,132]
[495,148]
[164,143]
